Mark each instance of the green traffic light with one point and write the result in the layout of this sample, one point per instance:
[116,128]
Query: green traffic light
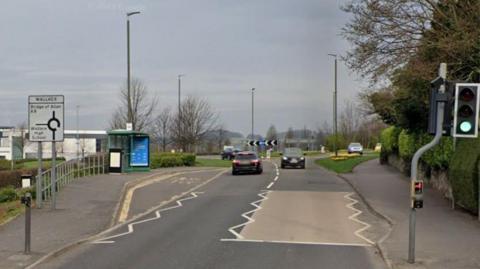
[465,126]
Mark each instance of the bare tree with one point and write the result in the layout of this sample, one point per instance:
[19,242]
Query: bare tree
[385,33]
[194,120]
[143,106]
[349,121]
[161,128]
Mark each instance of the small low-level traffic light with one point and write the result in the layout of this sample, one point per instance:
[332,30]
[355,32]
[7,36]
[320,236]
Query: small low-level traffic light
[465,122]
[417,193]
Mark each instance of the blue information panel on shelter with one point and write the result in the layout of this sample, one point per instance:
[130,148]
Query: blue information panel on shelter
[140,152]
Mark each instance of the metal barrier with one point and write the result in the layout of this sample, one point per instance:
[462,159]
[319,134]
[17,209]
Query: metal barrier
[67,171]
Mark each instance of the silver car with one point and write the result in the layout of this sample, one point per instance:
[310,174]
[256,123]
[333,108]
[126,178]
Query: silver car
[355,148]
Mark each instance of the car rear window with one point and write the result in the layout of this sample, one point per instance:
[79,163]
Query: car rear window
[293,151]
[245,157]
[355,145]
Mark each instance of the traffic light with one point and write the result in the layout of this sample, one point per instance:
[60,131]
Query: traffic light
[465,123]
[448,98]
[417,194]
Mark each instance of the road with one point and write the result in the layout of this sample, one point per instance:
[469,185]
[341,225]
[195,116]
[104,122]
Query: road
[304,219]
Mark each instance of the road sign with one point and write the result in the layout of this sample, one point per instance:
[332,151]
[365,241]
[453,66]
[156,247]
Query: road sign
[262,142]
[45,118]
[271,142]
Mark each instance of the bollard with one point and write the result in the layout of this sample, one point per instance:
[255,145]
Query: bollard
[27,201]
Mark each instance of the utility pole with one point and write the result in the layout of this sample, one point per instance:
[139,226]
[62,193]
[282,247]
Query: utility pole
[78,132]
[129,102]
[335,148]
[179,92]
[253,113]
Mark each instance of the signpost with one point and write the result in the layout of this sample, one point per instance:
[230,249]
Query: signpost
[46,124]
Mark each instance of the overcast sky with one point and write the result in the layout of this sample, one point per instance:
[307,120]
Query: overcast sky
[225,47]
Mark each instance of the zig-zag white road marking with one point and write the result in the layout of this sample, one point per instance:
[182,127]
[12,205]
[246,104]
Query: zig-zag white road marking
[257,206]
[354,218]
[130,230]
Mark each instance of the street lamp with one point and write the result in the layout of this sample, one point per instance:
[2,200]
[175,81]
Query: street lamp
[335,107]
[129,103]
[179,91]
[253,111]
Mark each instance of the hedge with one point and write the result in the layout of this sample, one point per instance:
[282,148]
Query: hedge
[161,160]
[13,177]
[463,173]
[389,139]
[462,164]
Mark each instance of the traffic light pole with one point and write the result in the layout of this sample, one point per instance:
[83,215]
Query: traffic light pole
[416,158]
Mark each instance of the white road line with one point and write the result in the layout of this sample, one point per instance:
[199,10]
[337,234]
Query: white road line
[106,240]
[270,185]
[296,242]
[354,218]
[257,206]
[275,179]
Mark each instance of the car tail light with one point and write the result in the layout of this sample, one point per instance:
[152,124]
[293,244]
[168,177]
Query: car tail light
[255,162]
[236,162]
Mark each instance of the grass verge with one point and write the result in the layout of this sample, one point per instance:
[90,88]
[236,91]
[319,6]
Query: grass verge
[213,163]
[345,166]
[10,210]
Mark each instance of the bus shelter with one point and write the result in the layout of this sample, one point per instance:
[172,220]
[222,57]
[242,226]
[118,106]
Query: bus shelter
[129,151]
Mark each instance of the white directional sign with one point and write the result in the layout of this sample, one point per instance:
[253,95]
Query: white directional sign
[45,118]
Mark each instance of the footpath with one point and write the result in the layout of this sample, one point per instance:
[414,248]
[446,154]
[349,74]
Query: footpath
[445,238]
[85,207]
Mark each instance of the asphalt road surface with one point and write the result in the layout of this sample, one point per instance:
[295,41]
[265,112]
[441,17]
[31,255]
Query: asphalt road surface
[291,219]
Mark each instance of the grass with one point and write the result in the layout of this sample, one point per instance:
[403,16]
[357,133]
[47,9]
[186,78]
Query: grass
[345,166]
[213,163]
[10,210]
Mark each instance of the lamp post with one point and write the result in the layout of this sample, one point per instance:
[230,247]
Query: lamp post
[129,103]
[335,107]
[179,91]
[253,113]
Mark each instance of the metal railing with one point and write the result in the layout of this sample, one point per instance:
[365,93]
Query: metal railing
[68,171]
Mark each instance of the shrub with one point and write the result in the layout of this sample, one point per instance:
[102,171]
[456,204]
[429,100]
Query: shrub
[188,159]
[8,194]
[438,157]
[22,192]
[5,165]
[463,173]
[389,139]
[407,145]
[172,159]
[13,178]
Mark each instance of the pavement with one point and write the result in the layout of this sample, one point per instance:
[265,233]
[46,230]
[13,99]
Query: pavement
[445,238]
[271,220]
[85,207]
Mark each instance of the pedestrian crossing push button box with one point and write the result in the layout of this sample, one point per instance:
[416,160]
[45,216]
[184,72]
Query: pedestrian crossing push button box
[417,193]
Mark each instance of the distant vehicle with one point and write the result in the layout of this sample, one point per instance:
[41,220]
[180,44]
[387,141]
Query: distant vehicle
[378,147]
[293,157]
[247,161]
[355,148]
[229,153]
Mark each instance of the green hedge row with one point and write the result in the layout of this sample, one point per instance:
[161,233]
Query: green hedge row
[9,193]
[463,173]
[405,144]
[462,164]
[160,160]
[13,177]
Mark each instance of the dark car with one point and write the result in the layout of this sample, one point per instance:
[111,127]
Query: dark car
[246,162]
[293,157]
[229,153]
